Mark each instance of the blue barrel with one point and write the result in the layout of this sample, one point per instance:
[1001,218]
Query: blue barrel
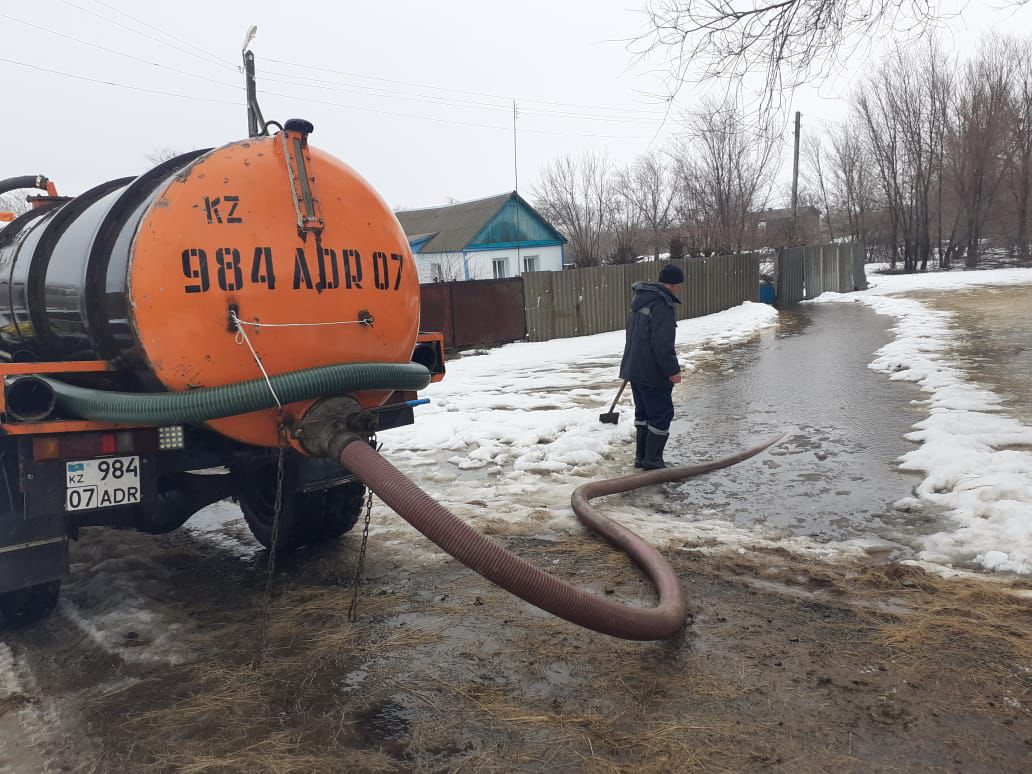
[767,294]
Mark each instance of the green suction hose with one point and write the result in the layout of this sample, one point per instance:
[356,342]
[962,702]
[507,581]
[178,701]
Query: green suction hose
[202,404]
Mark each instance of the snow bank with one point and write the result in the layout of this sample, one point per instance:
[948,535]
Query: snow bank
[533,407]
[974,456]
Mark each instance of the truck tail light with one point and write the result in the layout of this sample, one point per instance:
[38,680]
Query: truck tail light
[70,446]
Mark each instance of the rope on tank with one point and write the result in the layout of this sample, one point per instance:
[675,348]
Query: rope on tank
[367,321]
[242,337]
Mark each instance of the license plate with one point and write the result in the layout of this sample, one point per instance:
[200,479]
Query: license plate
[102,483]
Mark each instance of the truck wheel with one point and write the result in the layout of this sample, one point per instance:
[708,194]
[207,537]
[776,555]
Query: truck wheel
[27,605]
[305,519]
[258,505]
[324,516]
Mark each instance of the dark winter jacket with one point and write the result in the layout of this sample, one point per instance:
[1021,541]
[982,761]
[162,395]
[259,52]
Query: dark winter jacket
[651,326]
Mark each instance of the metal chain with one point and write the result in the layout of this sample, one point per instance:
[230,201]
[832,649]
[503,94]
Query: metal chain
[353,610]
[263,624]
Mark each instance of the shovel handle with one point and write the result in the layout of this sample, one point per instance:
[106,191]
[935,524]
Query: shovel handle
[618,394]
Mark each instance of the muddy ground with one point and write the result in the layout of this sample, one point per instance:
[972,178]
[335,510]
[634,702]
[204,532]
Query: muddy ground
[785,665]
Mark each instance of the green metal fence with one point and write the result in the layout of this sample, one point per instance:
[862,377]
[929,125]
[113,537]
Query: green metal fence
[582,302]
[806,272]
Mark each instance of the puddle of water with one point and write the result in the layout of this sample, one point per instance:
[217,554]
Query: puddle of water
[995,347]
[834,477]
[386,726]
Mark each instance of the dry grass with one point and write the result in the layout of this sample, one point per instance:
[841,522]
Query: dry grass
[981,626]
[280,752]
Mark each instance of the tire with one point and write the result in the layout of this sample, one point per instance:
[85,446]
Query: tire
[305,518]
[24,606]
[257,501]
[325,516]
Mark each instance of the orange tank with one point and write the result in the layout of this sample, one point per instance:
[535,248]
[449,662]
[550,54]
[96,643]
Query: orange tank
[285,237]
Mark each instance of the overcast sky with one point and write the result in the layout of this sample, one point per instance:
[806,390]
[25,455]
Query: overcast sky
[417,96]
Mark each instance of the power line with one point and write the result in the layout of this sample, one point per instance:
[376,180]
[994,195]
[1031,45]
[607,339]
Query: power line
[167,34]
[381,93]
[590,117]
[118,84]
[121,85]
[444,101]
[505,97]
[116,53]
[358,89]
[206,58]
[442,120]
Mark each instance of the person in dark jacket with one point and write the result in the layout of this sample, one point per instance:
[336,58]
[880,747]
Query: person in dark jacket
[650,364]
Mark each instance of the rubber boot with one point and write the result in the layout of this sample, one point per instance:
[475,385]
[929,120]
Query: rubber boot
[639,444]
[654,444]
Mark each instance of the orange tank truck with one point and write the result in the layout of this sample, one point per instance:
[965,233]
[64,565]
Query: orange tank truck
[163,337]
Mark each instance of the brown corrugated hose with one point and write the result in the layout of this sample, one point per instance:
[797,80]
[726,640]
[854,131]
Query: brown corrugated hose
[525,580]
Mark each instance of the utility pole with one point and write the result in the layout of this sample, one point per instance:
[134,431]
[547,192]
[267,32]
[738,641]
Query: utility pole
[516,183]
[515,168]
[795,174]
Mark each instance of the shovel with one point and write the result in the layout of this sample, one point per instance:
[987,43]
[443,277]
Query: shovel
[611,417]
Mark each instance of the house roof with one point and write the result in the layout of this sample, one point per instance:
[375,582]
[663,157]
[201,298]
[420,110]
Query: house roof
[453,225]
[784,213]
[492,222]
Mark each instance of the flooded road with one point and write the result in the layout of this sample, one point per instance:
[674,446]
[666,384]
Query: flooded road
[835,476]
[995,347]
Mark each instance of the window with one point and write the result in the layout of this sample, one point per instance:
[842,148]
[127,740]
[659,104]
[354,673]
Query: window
[436,272]
[499,265]
[530,263]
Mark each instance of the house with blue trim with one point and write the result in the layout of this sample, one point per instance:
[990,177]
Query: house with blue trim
[494,238]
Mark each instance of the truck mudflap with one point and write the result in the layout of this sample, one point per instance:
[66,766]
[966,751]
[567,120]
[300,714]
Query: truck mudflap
[33,563]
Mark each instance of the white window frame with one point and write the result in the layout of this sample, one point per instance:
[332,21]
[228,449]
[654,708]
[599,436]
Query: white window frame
[530,263]
[500,263]
[436,272]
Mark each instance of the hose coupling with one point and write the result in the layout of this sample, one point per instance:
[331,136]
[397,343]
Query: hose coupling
[332,424]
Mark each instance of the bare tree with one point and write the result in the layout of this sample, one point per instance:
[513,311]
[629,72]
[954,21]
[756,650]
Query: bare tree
[946,144]
[876,105]
[980,137]
[1019,176]
[789,42]
[623,232]
[648,189]
[576,195]
[851,183]
[724,172]
[903,108]
[814,166]
[158,155]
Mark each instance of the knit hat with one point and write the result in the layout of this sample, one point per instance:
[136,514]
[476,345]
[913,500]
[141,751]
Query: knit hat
[671,275]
